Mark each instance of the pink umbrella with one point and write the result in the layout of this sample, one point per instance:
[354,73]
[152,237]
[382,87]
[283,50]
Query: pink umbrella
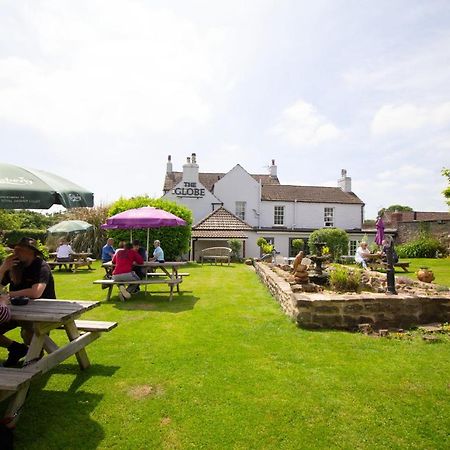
[145,217]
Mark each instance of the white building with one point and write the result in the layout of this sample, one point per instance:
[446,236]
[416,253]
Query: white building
[262,206]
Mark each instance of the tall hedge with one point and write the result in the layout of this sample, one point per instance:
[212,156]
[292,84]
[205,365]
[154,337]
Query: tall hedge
[11,237]
[336,240]
[174,240]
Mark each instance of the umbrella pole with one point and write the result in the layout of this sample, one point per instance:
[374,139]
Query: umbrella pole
[131,235]
[148,239]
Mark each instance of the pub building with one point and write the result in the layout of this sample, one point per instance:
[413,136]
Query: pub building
[244,206]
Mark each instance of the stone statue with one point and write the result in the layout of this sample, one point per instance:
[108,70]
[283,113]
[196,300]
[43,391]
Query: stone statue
[300,270]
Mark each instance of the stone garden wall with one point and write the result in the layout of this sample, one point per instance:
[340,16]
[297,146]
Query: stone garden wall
[347,311]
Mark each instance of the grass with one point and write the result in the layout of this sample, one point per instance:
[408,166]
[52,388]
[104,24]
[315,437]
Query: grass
[440,268]
[221,367]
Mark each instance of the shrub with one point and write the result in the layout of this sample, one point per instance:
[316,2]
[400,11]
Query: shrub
[298,244]
[4,252]
[235,245]
[336,240]
[422,247]
[91,240]
[174,240]
[344,280]
[11,237]
[264,245]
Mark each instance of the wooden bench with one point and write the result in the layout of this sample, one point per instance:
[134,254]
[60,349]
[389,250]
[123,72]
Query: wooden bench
[14,382]
[216,254]
[74,264]
[94,325]
[171,282]
[383,265]
[12,379]
[161,274]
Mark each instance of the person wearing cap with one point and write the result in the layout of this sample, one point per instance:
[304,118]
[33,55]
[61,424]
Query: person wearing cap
[28,275]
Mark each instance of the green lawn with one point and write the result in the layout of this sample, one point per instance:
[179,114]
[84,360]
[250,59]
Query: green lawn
[221,367]
[440,267]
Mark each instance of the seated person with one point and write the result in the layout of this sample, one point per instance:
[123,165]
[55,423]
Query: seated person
[64,252]
[123,270]
[108,251]
[158,253]
[141,250]
[27,274]
[362,254]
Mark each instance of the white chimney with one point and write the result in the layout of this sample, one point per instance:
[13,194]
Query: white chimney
[273,169]
[169,164]
[190,170]
[345,182]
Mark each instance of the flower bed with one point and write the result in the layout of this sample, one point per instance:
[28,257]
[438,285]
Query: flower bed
[416,303]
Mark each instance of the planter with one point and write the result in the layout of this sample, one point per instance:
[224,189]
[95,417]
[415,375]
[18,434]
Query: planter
[425,274]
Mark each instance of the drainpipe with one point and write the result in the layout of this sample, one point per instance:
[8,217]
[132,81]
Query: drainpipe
[295,207]
[259,203]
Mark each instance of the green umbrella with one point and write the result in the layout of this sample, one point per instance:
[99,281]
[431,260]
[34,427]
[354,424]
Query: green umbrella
[70,226]
[22,188]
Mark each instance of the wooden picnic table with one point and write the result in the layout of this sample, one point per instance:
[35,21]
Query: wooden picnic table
[77,260]
[42,316]
[170,275]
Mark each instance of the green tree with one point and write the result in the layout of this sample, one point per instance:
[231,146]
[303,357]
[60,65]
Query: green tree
[174,240]
[336,240]
[446,191]
[8,221]
[394,208]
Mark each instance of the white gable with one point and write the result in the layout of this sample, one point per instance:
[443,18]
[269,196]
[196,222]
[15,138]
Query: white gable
[194,196]
[239,186]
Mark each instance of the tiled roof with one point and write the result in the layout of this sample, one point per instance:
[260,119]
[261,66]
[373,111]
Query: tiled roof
[222,219]
[224,234]
[208,179]
[311,194]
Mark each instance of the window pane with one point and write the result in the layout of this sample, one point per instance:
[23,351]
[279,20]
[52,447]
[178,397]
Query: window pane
[328,217]
[278,215]
[240,210]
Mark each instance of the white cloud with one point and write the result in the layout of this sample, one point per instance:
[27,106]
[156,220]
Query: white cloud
[302,125]
[404,173]
[405,117]
[123,69]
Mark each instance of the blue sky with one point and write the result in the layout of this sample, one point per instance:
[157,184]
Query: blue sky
[102,91]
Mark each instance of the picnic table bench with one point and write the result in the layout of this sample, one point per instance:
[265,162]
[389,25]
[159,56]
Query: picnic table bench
[375,265]
[44,316]
[82,259]
[169,276]
[216,254]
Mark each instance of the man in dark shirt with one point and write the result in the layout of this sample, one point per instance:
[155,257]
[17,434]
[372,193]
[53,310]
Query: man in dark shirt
[27,275]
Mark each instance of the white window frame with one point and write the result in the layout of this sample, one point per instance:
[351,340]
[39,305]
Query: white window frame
[352,246]
[328,217]
[240,208]
[278,219]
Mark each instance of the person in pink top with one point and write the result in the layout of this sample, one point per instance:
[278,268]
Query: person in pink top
[123,270]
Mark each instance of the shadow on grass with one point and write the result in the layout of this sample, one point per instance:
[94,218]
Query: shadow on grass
[54,419]
[96,370]
[159,302]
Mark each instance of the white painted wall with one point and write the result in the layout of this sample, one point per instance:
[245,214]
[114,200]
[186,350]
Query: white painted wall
[200,207]
[310,215]
[239,185]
